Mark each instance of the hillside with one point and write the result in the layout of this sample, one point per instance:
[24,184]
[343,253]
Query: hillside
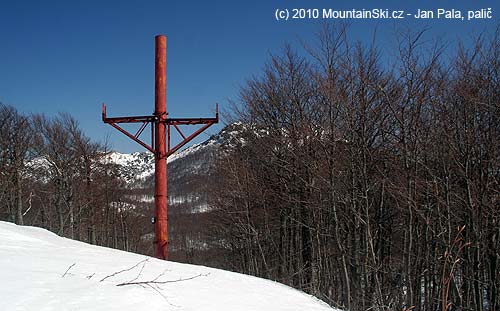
[42,271]
[188,169]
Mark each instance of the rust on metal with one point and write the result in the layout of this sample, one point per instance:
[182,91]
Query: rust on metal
[160,141]
[161,228]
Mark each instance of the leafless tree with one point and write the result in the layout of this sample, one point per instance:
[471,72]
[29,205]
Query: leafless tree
[354,174]
[15,138]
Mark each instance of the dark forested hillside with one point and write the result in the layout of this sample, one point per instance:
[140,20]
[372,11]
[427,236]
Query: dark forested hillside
[374,186]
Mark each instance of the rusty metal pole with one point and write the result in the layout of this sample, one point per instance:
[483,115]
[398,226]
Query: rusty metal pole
[161,142]
[161,229]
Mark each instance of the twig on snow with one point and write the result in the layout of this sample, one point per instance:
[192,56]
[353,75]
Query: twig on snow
[157,289]
[124,270]
[140,272]
[68,270]
[155,281]
[154,284]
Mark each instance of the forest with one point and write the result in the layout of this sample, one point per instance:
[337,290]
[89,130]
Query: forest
[367,178]
[53,176]
[370,180]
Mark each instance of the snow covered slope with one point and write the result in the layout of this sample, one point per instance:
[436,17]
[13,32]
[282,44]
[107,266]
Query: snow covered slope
[193,160]
[42,271]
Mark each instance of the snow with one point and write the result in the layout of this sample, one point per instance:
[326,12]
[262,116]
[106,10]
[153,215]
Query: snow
[142,163]
[42,271]
[189,150]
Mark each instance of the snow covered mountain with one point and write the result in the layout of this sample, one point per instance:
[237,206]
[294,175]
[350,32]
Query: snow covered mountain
[196,159]
[188,169]
[42,271]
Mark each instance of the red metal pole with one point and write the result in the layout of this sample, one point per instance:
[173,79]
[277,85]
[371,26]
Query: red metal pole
[161,229]
[159,140]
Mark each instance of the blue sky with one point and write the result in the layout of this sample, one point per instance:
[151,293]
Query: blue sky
[72,56]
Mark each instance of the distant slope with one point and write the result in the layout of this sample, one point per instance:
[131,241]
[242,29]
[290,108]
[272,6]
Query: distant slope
[188,169]
[41,271]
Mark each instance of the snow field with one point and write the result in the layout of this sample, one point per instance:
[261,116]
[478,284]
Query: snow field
[42,271]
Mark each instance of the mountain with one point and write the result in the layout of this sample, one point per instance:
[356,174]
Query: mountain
[42,271]
[188,169]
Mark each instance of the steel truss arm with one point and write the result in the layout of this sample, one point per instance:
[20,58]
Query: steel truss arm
[176,122]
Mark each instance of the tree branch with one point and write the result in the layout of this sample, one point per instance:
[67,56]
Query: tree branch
[124,270]
[150,282]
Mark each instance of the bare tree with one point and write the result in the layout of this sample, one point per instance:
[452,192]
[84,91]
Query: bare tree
[354,175]
[15,136]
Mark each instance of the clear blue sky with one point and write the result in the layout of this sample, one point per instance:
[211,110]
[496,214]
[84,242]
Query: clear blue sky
[73,55]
